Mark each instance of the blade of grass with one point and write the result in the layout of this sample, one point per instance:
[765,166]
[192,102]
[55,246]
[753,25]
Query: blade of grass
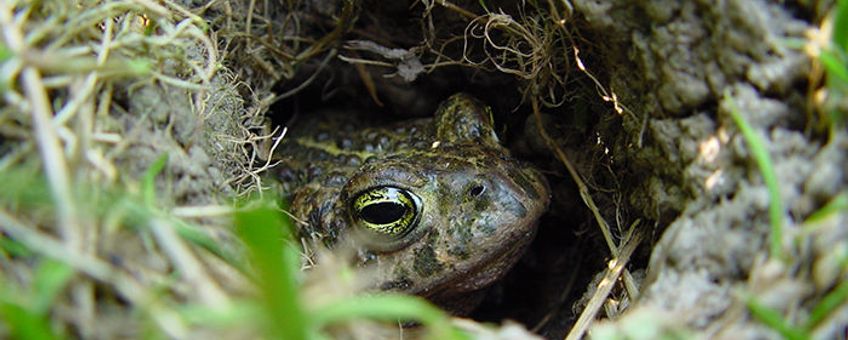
[148,182]
[237,313]
[834,65]
[483,4]
[24,324]
[840,25]
[266,234]
[5,53]
[388,307]
[51,277]
[828,304]
[25,313]
[13,248]
[199,238]
[763,160]
[774,320]
[837,204]
[24,186]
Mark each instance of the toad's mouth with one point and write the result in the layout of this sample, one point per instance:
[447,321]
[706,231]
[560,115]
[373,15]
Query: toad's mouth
[480,274]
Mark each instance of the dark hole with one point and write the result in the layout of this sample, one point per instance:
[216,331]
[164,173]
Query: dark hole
[476,191]
[382,213]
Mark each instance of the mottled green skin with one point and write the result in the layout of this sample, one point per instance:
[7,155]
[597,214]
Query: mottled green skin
[463,242]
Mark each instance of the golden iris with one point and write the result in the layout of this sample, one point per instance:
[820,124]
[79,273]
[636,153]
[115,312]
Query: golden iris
[388,212]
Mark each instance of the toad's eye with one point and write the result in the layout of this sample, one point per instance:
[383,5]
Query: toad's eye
[388,213]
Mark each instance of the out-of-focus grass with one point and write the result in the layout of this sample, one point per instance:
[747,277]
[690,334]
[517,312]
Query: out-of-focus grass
[25,189]
[267,237]
[840,25]
[389,307]
[271,260]
[763,159]
[834,59]
[775,321]
[26,309]
[829,303]
[273,254]
[837,204]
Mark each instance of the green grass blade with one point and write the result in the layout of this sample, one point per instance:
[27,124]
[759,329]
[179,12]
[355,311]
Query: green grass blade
[837,204]
[148,182]
[18,315]
[774,320]
[13,248]
[199,238]
[234,315]
[5,53]
[834,65]
[24,324]
[763,160]
[267,236]
[828,304]
[840,25]
[483,4]
[24,186]
[388,307]
[51,277]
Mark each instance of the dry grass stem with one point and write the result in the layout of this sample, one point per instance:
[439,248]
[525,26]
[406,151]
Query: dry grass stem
[96,269]
[203,211]
[59,78]
[46,136]
[585,195]
[189,266]
[613,271]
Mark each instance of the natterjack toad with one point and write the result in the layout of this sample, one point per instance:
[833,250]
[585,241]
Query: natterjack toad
[437,206]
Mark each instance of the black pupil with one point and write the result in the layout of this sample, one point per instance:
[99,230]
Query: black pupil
[382,213]
[476,191]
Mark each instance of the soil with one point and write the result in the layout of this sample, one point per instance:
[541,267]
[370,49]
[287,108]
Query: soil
[679,68]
